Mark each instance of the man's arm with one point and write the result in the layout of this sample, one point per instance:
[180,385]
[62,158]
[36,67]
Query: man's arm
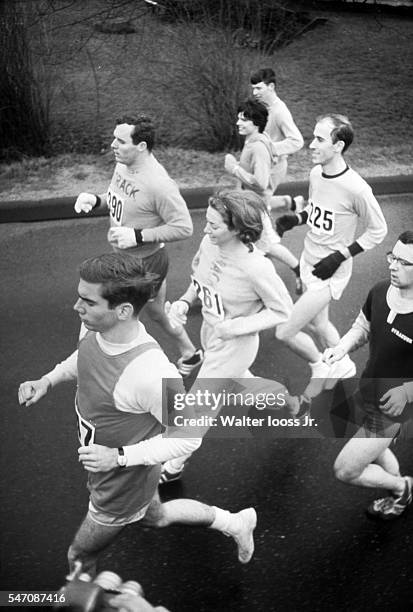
[293,140]
[85,202]
[140,389]
[31,391]
[371,215]
[171,208]
[177,222]
[394,401]
[261,167]
[357,335]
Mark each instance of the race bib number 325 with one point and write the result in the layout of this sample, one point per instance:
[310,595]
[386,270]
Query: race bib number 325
[321,220]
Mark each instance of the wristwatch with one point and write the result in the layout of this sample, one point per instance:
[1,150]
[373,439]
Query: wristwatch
[121,457]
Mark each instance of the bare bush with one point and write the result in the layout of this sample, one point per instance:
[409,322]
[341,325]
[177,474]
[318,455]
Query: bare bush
[263,24]
[202,85]
[24,126]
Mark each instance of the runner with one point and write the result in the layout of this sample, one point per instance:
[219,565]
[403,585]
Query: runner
[254,172]
[386,385]
[281,129]
[241,294]
[146,211]
[119,371]
[338,199]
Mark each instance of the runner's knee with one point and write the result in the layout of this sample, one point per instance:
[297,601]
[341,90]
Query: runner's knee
[155,515]
[345,472]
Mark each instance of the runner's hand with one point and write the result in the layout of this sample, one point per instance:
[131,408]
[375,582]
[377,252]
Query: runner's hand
[230,163]
[393,402]
[98,458]
[122,237]
[226,330]
[176,313]
[285,223]
[32,390]
[326,267]
[85,202]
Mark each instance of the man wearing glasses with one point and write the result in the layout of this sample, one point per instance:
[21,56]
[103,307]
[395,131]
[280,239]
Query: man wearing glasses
[386,385]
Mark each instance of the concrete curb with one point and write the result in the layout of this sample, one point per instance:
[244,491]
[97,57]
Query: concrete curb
[197,197]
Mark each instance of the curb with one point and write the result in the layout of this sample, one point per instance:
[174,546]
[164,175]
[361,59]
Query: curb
[196,197]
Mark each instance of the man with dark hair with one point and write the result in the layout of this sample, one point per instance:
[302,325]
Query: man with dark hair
[146,211]
[254,172]
[119,371]
[285,136]
[338,199]
[386,385]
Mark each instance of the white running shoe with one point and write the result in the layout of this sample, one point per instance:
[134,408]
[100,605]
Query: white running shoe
[319,375]
[244,536]
[344,368]
[168,474]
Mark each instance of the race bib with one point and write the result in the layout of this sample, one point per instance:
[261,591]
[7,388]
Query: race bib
[85,430]
[115,205]
[211,299]
[321,220]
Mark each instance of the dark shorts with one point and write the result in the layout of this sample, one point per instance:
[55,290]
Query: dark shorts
[157,263]
[376,424]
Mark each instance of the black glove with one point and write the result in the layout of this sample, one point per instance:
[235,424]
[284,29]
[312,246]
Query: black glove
[285,223]
[326,267]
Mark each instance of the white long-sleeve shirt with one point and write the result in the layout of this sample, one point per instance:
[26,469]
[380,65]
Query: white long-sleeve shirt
[285,136]
[139,389]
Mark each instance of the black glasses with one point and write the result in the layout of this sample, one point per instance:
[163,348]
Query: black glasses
[393,259]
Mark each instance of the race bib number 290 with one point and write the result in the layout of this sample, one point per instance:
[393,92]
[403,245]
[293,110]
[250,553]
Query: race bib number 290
[115,205]
[321,220]
[211,300]
[85,430]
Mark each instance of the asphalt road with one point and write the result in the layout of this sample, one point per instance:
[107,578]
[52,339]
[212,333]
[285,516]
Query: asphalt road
[315,548]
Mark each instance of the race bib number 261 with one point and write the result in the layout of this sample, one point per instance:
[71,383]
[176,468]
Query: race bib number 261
[211,300]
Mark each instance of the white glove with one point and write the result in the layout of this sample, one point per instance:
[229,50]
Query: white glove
[122,237]
[176,313]
[230,163]
[85,202]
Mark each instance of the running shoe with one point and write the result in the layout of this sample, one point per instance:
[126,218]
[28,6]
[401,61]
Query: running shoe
[389,508]
[319,375]
[244,536]
[169,475]
[188,365]
[344,368]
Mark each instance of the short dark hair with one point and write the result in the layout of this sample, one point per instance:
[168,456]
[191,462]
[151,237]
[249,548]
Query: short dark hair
[406,237]
[241,210]
[264,75]
[342,130]
[123,279]
[255,111]
[143,131]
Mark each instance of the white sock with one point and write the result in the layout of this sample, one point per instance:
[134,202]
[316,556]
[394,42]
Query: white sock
[175,465]
[225,521]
